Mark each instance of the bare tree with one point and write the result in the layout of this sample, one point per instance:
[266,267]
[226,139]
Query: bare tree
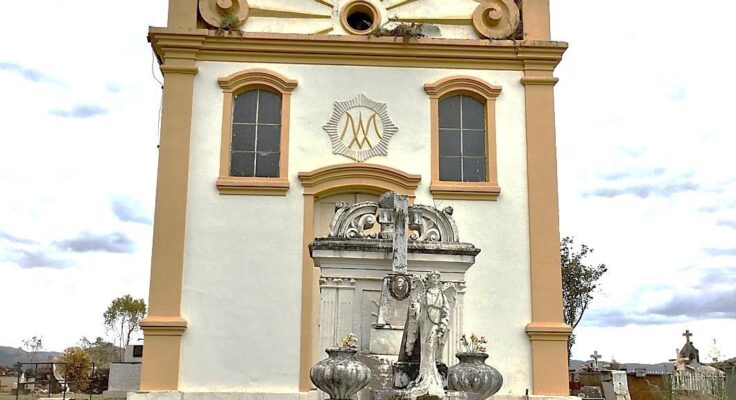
[32,347]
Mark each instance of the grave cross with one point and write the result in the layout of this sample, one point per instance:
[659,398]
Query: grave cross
[687,335]
[396,213]
[595,356]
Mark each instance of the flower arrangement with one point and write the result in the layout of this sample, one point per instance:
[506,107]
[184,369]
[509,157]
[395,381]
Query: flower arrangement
[350,341]
[474,345]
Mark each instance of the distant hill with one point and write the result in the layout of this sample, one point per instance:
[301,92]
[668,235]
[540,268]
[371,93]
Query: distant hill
[11,355]
[660,367]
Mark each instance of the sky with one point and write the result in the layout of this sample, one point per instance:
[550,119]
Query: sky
[645,137]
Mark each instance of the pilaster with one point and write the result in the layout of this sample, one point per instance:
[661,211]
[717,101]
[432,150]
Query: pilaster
[164,326]
[547,332]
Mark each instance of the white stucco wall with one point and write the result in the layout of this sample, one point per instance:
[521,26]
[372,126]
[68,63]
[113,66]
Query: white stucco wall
[242,272]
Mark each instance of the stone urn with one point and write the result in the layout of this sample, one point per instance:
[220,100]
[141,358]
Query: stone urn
[473,376]
[340,375]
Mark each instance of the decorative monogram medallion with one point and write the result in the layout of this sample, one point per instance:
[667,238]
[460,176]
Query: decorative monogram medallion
[360,128]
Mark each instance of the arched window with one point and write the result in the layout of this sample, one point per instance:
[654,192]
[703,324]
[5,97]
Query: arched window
[463,113]
[255,133]
[255,147]
[462,123]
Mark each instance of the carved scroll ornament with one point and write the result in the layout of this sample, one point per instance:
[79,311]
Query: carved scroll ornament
[426,224]
[496,19]
[224,13]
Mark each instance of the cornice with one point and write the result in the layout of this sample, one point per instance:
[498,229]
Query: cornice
[548,331]
[358,173]
[257,76]
[207,45]
[462,82]
[164,326]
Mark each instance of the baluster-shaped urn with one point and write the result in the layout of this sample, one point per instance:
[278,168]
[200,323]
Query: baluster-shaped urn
[473,376]
[340,375]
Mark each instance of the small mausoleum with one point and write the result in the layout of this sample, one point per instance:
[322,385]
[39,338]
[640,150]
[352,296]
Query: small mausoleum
[284,126]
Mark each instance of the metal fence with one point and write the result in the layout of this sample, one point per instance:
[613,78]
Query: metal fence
[713,385]
[48,379]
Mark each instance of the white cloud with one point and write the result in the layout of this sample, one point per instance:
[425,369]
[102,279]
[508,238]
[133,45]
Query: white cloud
[77,164]
[646,171]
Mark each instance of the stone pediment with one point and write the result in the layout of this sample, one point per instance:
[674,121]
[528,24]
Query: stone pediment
[366,226]
[426,224]
[457,19]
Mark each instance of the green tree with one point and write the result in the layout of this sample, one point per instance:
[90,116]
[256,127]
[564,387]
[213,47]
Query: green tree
[579,283]
[76,368]
[101,352]
[123,317]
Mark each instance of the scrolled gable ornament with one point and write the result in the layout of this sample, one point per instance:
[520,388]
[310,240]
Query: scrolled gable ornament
[360,128]
[224,13]
[496,19]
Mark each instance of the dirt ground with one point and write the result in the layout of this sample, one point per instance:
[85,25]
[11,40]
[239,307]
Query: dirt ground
[72,396]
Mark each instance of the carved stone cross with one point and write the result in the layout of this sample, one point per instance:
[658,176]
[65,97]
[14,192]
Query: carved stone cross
[394,213]
[687,335]
[595,356]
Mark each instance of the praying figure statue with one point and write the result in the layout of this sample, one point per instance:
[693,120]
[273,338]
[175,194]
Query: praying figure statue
[425,333]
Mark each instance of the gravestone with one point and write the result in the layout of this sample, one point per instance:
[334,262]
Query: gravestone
[125,376]
[615,385]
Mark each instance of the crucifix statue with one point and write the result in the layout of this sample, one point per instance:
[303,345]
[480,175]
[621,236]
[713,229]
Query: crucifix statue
[428,314]
[595,356]
[393,213]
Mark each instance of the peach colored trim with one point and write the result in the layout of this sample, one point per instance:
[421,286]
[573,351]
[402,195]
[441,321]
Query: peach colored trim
[535,15]
[327,181]
[547,331]
[255,186]
[356,50]
[231,86]
[486,93]
[360,6]
[496,19]
[182,14]
[164,326]
[554,332]
[539,80]
[464,191]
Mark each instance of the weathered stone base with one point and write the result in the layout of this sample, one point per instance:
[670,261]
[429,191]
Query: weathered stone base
[533,397]
[404,394]
[175,395]
[311,395]
[115,394]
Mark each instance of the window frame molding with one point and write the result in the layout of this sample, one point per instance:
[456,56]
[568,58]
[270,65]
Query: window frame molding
[486,93]
[237,83]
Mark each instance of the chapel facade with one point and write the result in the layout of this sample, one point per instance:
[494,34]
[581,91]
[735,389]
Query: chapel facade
[274,111]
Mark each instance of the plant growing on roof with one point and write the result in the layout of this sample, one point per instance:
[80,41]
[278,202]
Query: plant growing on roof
[401,29]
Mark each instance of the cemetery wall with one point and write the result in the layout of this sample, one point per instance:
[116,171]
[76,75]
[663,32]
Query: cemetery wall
[649,387]
[243,254]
